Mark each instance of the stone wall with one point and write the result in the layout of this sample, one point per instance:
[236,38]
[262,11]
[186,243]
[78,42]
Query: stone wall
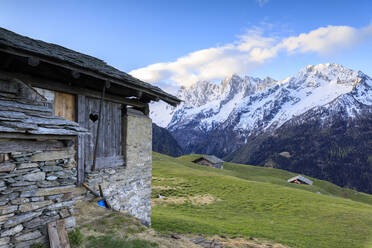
[39,187]
[128,188]
[210,164]
[35,188]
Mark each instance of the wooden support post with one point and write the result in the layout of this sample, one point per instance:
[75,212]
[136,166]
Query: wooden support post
[58,237]
[107,85]
[146,110]
[103,197]
[100,190]
[90,190]
[81,155]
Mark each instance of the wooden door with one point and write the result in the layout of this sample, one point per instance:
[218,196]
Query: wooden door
[64,105]
[109,151]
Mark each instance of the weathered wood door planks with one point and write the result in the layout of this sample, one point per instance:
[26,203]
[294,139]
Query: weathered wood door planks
[64,105]
[81,140]
[109,151]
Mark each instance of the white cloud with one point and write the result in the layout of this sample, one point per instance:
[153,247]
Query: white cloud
[322,40]
[262,2]
[254,38]
[248,52]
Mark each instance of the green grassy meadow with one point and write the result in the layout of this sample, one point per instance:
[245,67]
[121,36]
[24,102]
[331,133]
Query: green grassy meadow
[258,202]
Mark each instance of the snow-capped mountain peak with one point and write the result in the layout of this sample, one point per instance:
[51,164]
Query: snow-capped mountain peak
[248,105]
[316,115]
[199,94]
[312,87]
[204,93]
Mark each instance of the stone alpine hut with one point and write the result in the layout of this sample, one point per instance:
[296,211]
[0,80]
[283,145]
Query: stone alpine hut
[300,180]
[68,119]
[211,161]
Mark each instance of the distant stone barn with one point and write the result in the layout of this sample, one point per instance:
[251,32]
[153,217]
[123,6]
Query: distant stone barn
[300,180]
[211,161]
[66,120]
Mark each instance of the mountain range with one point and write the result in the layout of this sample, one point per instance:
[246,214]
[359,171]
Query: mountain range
[163,142]
[317,122]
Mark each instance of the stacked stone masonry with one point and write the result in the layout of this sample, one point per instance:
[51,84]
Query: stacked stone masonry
[128,188]
[40,187]
[35,188]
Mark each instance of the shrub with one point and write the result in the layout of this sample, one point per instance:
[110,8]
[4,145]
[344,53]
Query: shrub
[76,238]
[38,245]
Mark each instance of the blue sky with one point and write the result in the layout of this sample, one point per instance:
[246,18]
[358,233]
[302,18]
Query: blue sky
[179,42]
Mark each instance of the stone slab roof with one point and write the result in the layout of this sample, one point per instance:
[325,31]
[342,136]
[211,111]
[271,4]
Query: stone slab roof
[24,111]
[301,178]
[38,47]
[211,158]
[39,122]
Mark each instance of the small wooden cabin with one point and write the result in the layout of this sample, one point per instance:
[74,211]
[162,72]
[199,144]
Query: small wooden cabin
[211,161]
[67,118]
[300,180]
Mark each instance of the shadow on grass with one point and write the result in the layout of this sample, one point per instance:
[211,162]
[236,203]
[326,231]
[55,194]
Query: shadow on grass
[111,242]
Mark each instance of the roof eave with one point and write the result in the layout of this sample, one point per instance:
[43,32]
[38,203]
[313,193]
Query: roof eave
[108,73]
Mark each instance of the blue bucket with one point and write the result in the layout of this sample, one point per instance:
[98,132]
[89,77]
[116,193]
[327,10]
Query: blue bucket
[102,204]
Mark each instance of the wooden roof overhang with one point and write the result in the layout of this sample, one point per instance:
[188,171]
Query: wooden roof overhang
[54,67]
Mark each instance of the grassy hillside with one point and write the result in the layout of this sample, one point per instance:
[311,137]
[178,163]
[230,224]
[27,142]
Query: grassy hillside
[280,177]
[340,153]
[257,202]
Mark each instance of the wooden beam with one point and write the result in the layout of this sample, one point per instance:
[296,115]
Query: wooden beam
[58,237]
[91,73]
[90,190]
[36,137]
[27,92]
[75,74]
[5,62]
[29,145]
[33,61]
[53,85]
[107,84]
[102,162]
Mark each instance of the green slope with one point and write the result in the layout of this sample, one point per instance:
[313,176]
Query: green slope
[280,177]
[257,202]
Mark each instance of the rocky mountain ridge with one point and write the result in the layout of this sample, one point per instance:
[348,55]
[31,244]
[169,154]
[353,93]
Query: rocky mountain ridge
[235,118]
[163,142]
[248,105]
[310,87]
